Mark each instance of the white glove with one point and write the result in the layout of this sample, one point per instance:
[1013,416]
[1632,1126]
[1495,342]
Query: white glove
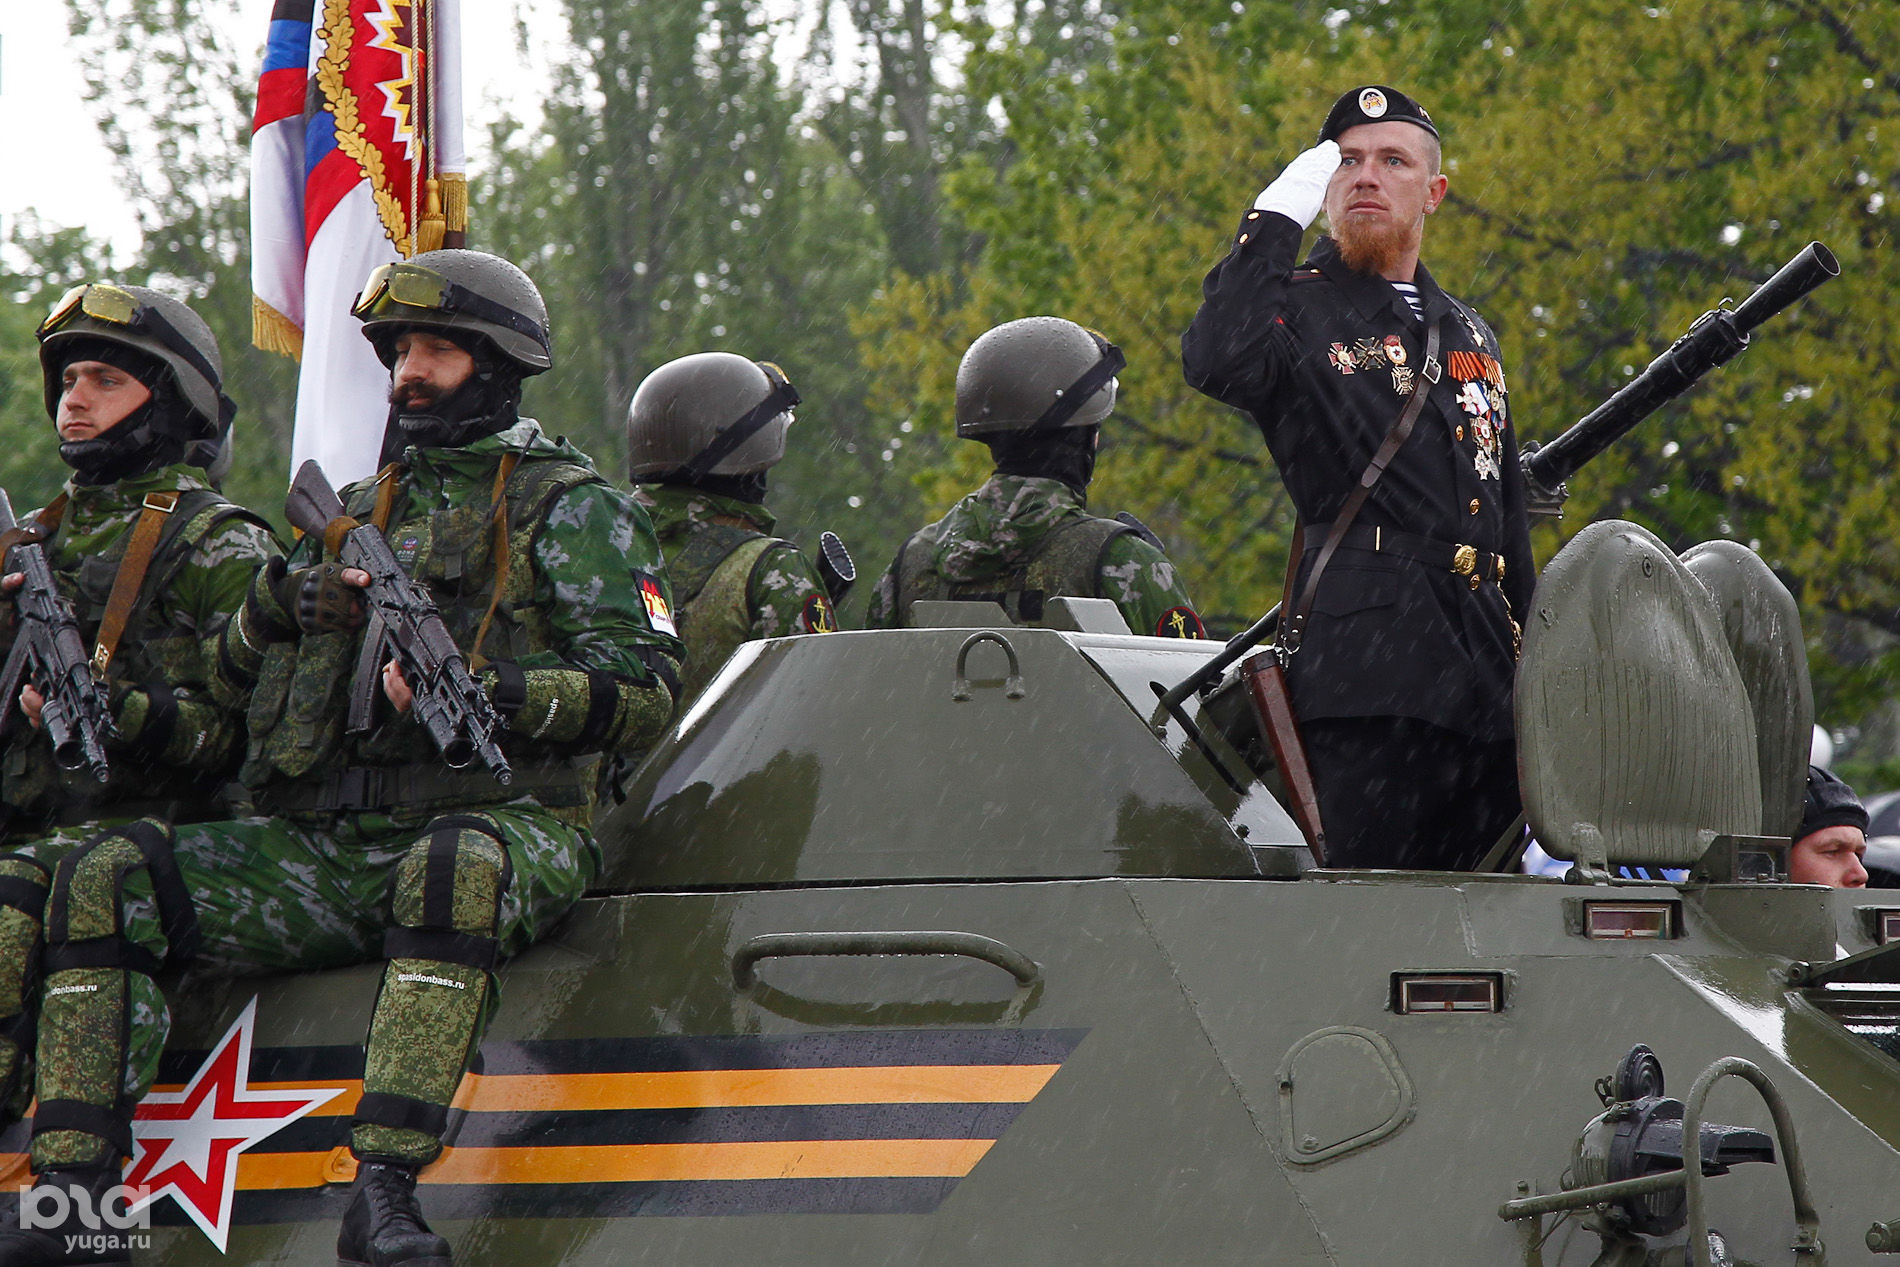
[1300,191]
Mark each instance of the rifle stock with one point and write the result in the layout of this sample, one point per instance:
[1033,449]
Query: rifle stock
[449,703]
[1713,339]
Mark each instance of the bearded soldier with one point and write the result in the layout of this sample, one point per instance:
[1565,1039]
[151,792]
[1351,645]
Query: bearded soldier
[152,559]
[702,432]
[547,577]
[1400,641]
[1036,392]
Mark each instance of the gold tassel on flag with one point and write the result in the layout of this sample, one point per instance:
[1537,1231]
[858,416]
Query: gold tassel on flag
[272,331]
[430,225]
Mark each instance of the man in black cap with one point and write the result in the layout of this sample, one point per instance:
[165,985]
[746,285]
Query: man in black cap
[1400,660]
[1832,838]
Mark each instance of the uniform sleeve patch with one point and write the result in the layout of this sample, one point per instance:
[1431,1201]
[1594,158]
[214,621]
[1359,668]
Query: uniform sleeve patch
[1180,622]
[817,617]
[653,597]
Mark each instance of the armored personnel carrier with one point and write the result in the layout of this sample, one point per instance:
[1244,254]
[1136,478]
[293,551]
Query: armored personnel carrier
[945,946]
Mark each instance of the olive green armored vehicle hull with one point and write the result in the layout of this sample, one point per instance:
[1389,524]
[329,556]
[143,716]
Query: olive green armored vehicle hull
[928,947]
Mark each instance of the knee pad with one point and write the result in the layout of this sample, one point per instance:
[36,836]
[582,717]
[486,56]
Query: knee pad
[24,885]
[452,881]
[85,915]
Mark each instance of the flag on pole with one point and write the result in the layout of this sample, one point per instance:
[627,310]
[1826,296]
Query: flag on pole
[356,159]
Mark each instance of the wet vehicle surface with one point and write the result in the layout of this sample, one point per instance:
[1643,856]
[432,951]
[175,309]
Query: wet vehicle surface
[928,947]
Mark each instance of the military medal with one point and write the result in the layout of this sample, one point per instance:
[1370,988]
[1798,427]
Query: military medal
[1394,349]
[1473,399]
[1471,324]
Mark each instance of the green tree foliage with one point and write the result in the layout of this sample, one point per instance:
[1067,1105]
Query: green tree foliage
[1614,172]
[173,99]
[674,202]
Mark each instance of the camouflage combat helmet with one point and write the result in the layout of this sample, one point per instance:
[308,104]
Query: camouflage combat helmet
[457,290]
[157,325]
[1039,373]
[712,413]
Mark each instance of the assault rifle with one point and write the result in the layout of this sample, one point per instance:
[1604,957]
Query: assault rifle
[1713,339]
[49,652]
[449,702]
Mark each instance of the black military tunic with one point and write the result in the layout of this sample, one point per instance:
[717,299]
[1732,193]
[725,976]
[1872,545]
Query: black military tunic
[1323,358]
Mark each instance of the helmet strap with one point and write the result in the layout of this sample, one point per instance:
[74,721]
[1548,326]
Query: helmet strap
[782,397]
[1078,393]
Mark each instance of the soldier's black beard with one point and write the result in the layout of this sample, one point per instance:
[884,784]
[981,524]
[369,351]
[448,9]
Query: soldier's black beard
[1066,454]
[486,402]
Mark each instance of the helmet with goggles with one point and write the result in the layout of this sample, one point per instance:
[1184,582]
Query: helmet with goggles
[457,290]
[1036,374]
[155,324]
[711,413]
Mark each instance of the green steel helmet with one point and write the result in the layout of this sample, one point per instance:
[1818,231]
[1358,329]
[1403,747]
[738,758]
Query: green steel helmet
[1036,374]
[157,325]
[711,413]
[457,290]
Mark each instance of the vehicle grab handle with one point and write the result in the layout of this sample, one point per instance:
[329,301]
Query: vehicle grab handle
[892,942]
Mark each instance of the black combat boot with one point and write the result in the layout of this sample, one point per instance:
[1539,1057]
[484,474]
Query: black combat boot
[60,1236]
[383,1226]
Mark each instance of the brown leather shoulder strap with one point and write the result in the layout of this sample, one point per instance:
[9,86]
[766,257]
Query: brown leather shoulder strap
[125,586]
[497,511]
[1429,373]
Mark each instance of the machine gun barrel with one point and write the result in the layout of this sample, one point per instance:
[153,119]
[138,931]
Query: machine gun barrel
[449,703]
[1714,338]
[49,652]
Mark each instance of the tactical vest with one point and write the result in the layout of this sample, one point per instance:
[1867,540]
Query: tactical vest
[33,784]
[300,705]
[1069,564]
[710,627]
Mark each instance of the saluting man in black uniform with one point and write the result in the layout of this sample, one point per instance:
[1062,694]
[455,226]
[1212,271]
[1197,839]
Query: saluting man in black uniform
[1402,677]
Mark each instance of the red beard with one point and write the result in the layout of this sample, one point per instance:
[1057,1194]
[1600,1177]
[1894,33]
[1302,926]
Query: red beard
[1374,247]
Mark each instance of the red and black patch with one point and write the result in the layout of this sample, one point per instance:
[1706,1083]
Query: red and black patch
[818,617]
[1180,622]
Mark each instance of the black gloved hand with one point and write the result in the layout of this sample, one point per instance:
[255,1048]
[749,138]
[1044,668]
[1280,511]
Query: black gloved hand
[320,601]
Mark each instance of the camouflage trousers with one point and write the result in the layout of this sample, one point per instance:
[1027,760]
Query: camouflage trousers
[26,874]
[441,899]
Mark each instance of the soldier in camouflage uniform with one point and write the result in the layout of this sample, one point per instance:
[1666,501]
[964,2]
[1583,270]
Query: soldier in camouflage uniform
[549,577]
[702,432]
[152,558]
[1036,391]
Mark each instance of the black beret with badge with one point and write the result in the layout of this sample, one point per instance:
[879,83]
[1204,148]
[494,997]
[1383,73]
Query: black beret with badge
[1375,103]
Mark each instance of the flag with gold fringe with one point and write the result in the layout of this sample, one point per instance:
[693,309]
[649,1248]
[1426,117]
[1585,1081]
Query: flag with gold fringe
[356,159]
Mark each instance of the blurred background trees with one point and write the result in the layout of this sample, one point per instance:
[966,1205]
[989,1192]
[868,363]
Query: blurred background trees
[857,188]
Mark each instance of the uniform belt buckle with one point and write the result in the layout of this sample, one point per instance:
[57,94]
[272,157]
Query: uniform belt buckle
[161,502]
[1464,560]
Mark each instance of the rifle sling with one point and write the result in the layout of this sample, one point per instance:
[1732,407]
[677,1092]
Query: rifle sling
[35,530]
[125,586]
[498,511]
[1429,373]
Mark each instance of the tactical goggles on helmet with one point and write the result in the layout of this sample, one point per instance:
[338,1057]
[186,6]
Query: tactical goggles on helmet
[782,397]
[116,306]
[403,290]
[1092,380]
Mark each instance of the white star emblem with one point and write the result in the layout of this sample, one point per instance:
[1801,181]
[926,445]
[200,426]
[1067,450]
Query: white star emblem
[187,1142]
